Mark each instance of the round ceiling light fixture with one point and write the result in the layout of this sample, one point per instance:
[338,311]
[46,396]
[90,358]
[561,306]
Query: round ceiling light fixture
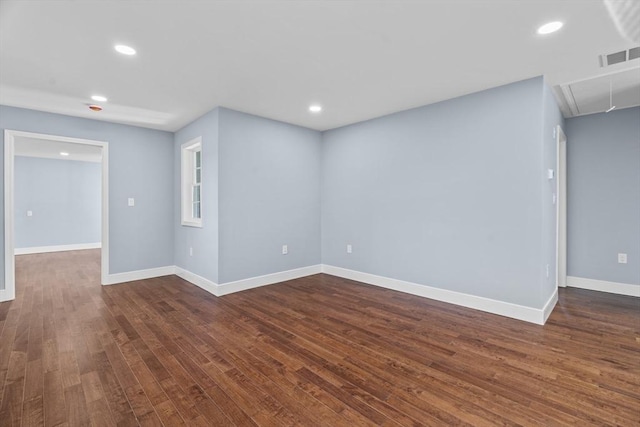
[64,153]
[315,108]
[99,98]
[124,49]
[94,107]
[550,27]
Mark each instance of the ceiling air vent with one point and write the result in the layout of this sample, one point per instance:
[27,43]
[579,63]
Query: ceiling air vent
[609,59]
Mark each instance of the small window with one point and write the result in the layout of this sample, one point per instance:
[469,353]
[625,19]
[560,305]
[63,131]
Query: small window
[192,183]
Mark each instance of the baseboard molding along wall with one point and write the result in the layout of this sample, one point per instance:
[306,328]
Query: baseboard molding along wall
[549,306]
[199,281]
[245,284]
[267,279]
[130,276]
[514,311]
[604,286]
[57,248]
[6,295]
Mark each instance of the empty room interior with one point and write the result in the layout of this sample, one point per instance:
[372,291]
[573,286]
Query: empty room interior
[320,213]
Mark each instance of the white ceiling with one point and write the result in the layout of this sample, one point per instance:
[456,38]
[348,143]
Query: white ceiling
[44,148]
[359,59]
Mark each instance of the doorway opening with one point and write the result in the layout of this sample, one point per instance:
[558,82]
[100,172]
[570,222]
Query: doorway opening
[561,208]
[92,157]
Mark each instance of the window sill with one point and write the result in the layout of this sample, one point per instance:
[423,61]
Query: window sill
[192,224]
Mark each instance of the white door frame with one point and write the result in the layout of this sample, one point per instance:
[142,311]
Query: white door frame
[561,208]
[9,291]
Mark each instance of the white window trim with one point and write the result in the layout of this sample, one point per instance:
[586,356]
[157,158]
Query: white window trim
[186,177]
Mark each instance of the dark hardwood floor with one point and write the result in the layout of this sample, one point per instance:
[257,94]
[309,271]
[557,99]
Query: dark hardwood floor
[311,352]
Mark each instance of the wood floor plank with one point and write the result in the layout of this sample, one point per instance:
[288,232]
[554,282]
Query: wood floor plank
[77,411]
[53,399]
[34,380]
[99,413]
[33,412]
[119,406]
[316,351]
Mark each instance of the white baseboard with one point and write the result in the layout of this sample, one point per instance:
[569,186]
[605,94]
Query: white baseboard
[267,279]
[130,276]
[549,306]
[199,281]
[244,284]
[604,286]
[57,248]
[7,295]
[515,311]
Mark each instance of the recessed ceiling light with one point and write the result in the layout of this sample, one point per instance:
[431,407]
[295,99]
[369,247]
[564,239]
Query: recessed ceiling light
[99,98]
[315,108]
[551,27]
[64,153]
[124,49]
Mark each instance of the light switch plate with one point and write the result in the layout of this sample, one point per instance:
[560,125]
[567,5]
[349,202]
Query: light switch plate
[131,201]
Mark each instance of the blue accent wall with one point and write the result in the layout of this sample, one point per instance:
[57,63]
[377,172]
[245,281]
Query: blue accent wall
[603,196]
[64,197]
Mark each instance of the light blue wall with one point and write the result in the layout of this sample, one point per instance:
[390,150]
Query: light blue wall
[204,241]
[269,188]
[447,195]
[261,189]
[64,197]
[450,195]
[140,166]
[552,117]
[603,196]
